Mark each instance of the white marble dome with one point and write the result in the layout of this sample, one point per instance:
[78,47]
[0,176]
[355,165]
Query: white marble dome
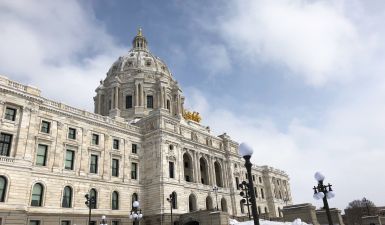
[139,58]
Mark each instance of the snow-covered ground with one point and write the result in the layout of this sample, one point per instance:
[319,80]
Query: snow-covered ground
[267,222]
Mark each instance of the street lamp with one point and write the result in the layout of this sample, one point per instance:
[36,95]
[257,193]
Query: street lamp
[246,152]
[136,212]
[90,203]
[171,200]
[245,194]
[323,192]
[215,190]
[104,222]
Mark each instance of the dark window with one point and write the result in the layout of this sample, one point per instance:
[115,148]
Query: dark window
[246,176]
[3,188]
[150,102]
[174,200]
[171,169]
[134,171]
[256,192]
[10,114]
[94,194]
[168,105]
[95,139]
[253,178]
[67,197]
[37,195]
[115,200]
[128,101]
[115,144]
[93,223]
[34,222]
[262,194]
[69,163]
[5,144]
[109,104]
[260,179]
[65,222]
[185,164]
[115,167]
[187,178]
[72,133]
[94,164]
[237,182]
[45,126]
[134,148]
[41,156]
[114,222]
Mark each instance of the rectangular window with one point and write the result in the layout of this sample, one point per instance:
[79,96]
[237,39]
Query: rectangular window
[115,167]
[115,144]
[10,114]
[114,222]
[253,178]
[255,192]
[128,101]
[95,139]
[41,156]
[260,179]
[65,222]
[70,158]
[94,164]
[93,223]
[262,194]
[5,144]
[45,126]
[246,176]
[134,171]
[72,133]
[150,102]
[34,222]
[134,148]
[171,169]
[237,182]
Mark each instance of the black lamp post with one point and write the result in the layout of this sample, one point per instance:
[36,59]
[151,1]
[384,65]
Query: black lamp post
[104,222]
[90,203]
[171,200]
[246,152]
[136,212]
[323,192]
[215,190]
[245,194]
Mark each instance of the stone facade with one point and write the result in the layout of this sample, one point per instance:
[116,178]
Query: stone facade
[137,143]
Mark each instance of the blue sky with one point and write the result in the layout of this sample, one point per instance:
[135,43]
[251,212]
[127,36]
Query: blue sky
[301,80]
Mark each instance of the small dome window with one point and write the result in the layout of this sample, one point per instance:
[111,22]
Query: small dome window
[148,63]
[132,54]
[171,147]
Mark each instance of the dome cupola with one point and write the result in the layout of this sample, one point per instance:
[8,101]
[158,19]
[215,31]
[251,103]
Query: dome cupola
[139,42]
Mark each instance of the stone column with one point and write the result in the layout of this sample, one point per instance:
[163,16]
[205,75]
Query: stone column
[99,103]
[136,95]
[116,100]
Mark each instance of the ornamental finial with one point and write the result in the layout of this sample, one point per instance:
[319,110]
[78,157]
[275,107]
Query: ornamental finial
[140,32]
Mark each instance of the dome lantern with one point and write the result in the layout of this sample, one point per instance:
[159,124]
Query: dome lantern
[139,42]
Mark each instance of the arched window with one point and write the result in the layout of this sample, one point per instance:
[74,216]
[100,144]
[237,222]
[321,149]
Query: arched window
[67,197]
[115,200]
[188,167]
[134,198]
[174,200]
[94,194]
[223,205]
[204,171]
[168,105]
[37,195]
[3,188]
[192,203]
[209,203]
[218,174]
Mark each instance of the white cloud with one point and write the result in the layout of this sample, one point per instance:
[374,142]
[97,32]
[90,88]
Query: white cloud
[314,39]
[57,46]
[214,59]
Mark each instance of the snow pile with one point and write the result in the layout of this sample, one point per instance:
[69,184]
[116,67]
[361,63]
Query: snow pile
[267,222]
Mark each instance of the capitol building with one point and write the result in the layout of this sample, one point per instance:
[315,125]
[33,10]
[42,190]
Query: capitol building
[139,144]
